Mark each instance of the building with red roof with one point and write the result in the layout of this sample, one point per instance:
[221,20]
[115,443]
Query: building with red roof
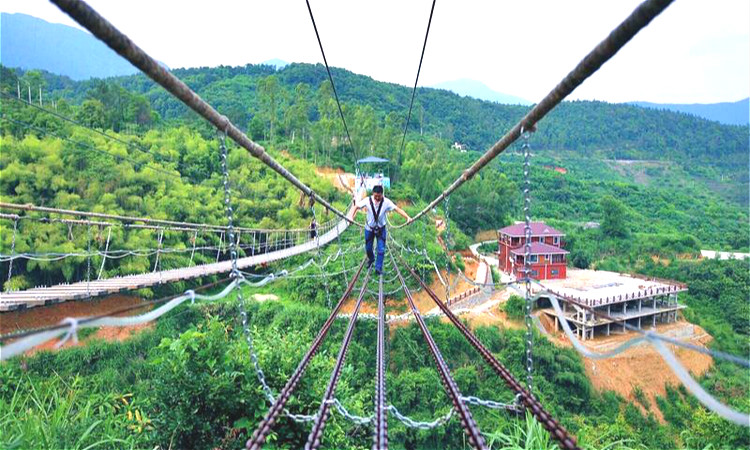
[547,258]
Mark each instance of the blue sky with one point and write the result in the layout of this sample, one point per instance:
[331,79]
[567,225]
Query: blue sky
[695,52]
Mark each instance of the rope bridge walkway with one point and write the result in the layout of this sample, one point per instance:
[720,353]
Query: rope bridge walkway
[41,296]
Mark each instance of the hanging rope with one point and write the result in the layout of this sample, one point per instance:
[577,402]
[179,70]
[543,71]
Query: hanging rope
[88,262]
[192,252]
[158,249]
[12,248]
[316,236]
[104,256]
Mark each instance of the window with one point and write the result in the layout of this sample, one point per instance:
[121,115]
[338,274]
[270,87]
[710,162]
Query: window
[556,240]
[554,272]
[533,258]
[535,273]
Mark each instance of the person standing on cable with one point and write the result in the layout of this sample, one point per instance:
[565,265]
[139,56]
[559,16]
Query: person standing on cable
[377,207]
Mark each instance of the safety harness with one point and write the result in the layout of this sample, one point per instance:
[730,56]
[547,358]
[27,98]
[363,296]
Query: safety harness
[377,229]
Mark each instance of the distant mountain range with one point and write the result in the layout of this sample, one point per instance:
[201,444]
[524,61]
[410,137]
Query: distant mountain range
[730,113]
[479,90]
[28,42]
[31,43]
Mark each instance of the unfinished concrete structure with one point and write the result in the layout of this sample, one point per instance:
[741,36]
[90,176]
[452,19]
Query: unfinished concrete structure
[623,298]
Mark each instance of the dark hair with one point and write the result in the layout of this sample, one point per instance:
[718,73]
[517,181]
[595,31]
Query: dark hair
[377,189]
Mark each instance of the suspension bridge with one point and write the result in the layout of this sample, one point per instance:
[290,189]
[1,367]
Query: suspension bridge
[523,392]
[271,245]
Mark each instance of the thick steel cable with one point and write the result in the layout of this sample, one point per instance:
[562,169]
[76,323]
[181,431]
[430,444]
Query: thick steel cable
[380,434]
[620,36]
[330,78]
[556,430]
[265,426]
[476,439]
[314,439]
[414,91]
[88,18]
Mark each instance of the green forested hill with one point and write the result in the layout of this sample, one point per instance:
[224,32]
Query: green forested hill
[662,185]
[590,128]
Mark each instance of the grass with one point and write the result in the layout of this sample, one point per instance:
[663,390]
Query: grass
[55,414]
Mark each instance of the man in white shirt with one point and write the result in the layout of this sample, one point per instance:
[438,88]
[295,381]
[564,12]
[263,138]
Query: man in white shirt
[377,207]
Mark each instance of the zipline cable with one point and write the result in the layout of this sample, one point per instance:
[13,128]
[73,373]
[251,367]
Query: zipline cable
[333,86]
[620,36]
[414,91]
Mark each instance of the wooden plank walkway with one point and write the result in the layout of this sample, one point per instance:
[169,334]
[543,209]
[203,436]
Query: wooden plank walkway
[10,301]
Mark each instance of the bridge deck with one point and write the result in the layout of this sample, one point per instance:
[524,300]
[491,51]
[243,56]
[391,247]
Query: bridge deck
[10,301]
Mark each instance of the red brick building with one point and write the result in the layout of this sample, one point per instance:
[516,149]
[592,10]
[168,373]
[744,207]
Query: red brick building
[547,257]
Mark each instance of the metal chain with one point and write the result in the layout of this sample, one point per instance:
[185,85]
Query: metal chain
[229,211]
[236,274]
[12,248]
[491,404]
[359,420]
[411,423]
[424,245]
[527,256]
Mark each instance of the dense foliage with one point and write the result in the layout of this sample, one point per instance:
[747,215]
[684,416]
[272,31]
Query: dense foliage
[634,190]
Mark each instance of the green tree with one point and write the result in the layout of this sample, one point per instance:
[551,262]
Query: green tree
[92,114]
[614,217]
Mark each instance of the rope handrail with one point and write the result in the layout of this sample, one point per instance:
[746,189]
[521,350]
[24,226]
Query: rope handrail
[607,48]
[656,340]
[100,27]
[147,220]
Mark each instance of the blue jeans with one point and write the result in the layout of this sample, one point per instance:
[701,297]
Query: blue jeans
[369,237]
